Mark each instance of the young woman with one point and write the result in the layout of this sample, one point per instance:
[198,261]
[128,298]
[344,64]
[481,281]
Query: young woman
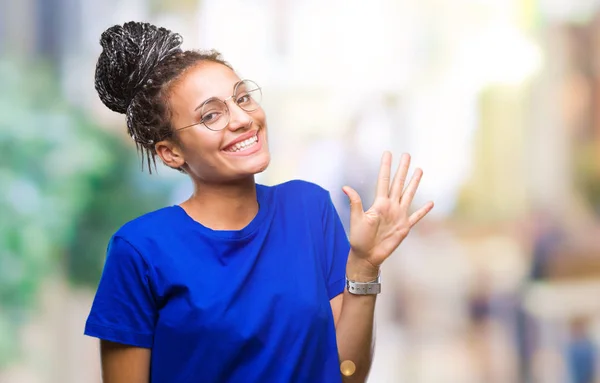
[242,282]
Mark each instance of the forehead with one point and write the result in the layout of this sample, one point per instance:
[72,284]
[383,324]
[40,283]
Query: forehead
[204,80]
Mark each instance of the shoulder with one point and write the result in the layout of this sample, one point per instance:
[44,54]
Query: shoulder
[301,196]
[153,225]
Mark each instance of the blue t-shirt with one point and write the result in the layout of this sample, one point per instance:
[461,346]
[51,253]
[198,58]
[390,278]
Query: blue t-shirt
[245,306]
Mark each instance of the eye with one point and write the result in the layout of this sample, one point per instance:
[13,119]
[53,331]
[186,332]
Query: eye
[211,117]
[244,99]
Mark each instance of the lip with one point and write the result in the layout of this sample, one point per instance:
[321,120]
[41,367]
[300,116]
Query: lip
[241,138]
[256,148]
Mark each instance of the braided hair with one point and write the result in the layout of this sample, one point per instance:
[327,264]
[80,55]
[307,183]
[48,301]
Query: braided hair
[134,73]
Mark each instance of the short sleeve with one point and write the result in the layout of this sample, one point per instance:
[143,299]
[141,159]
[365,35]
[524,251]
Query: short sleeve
[337,248]
[124,310]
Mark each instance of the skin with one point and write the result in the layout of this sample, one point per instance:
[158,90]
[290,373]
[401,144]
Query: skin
[225,194]
[225,199]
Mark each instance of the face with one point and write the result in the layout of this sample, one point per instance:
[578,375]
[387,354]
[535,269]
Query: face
[236,152]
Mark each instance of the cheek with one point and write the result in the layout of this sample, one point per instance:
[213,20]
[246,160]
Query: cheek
[203,139]
[201,146]
[261,118]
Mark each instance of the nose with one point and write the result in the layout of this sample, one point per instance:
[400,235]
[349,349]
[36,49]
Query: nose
[238,118]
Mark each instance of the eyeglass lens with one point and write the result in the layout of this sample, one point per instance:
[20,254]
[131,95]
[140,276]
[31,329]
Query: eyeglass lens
[215,113]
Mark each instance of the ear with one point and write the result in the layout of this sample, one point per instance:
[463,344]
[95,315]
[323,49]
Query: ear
[170,154]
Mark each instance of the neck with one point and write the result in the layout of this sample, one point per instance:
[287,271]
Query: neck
[223,206]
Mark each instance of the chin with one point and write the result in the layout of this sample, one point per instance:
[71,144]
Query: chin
[262,164]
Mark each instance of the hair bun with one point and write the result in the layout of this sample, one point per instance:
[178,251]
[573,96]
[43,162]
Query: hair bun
[129,55]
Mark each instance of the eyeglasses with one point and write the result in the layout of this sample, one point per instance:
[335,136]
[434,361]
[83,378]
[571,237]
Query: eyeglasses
[214,113]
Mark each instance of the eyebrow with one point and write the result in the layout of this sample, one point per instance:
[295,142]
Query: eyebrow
[205,102]
[216,98]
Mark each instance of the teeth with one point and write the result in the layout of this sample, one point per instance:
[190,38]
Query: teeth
[244,144]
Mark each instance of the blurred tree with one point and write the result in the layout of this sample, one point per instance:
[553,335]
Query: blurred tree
[175,6]
[587,173]
[117,194]
[65,186]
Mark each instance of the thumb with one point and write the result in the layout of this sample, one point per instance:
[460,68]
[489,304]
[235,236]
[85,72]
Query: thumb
[356,206]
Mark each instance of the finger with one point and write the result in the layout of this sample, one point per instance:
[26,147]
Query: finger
[356,207]
[383,181]
[411,189]
[400,177]
[422,212]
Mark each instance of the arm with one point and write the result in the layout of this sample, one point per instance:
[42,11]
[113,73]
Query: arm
[124,312]
[353,316]
[374,235]
[124,364]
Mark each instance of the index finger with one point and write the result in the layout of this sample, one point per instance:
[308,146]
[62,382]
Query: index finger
[383,180]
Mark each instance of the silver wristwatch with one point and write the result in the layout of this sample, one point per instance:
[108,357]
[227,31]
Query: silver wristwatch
[364,288]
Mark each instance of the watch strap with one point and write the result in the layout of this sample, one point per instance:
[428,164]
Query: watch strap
[364,288]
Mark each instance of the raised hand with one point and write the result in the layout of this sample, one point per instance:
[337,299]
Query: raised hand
[377,232]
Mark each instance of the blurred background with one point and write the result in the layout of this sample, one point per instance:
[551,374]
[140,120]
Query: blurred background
[497,100]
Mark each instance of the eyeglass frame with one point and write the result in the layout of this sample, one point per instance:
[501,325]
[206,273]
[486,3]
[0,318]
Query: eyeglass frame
[235,88]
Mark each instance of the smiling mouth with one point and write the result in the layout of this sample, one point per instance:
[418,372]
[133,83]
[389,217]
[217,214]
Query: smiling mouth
[244,145]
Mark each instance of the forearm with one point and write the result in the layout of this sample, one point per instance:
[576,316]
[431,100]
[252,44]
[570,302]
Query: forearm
[354,330]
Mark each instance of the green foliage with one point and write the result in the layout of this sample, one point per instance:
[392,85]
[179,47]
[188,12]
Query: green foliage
[65,186]
[175,6]
[587,173]
[117,196]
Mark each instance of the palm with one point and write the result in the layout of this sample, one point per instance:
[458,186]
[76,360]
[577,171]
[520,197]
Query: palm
[377,232]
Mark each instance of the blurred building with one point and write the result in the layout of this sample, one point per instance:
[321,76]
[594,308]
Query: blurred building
[496,100]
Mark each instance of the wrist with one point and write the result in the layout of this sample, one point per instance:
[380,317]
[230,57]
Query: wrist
[359,269]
